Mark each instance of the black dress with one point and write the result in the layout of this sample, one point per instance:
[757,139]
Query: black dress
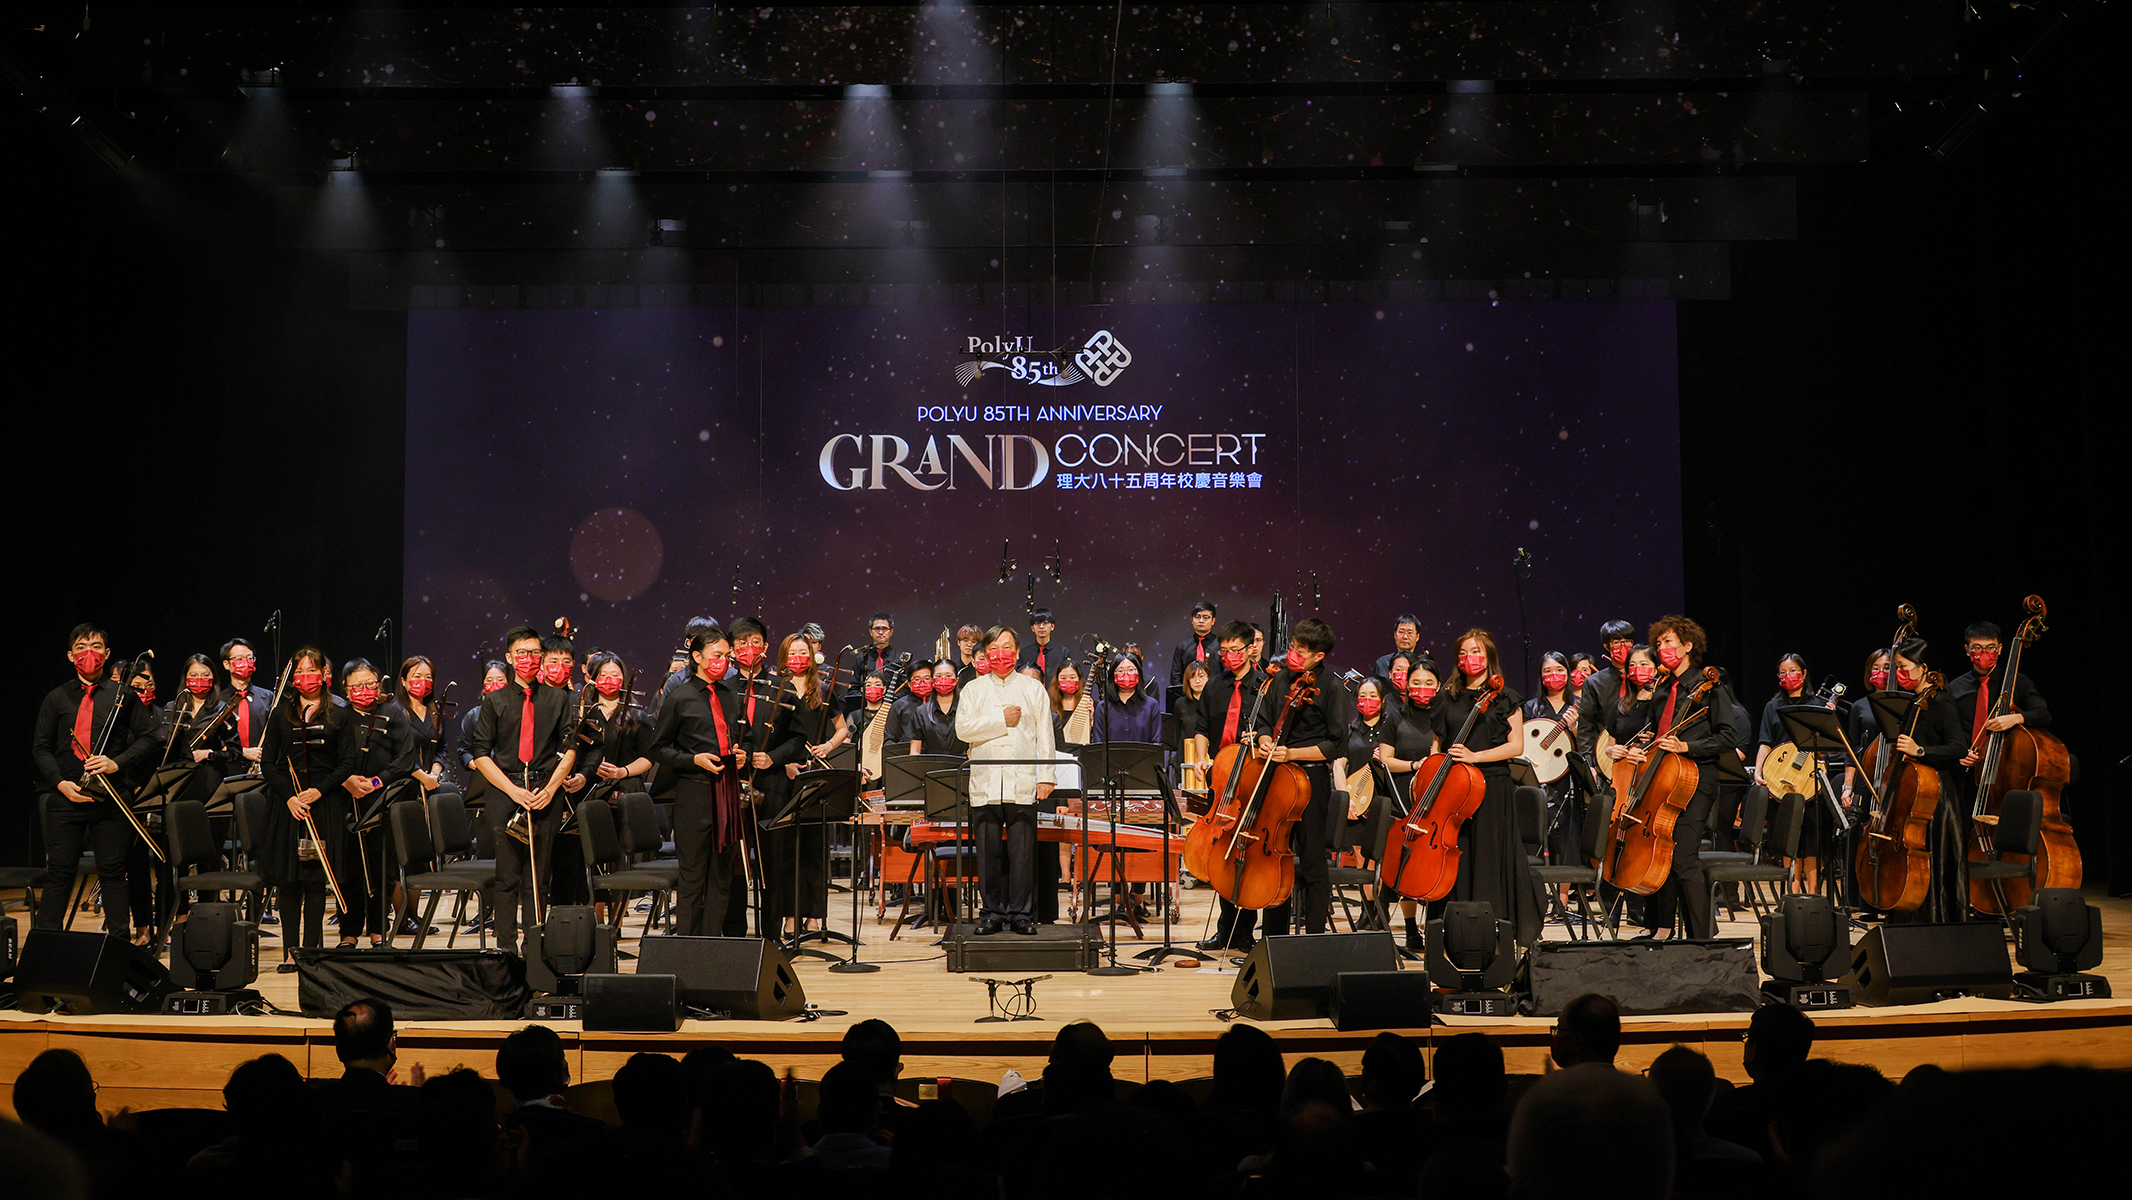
[1942,741]
[1410,742]
[381,748]
[1492,864]
[795,859]
[1565,798]
[290,768]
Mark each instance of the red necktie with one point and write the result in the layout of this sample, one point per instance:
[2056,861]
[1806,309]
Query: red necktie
[1199,646]
[1236,712]
[85,721]
[244,722]
[1665,719]
[725,739]
[1983,707]
[525,730]
[1041,669]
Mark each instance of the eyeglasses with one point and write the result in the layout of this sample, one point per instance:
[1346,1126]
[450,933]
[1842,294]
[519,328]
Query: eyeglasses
[881,629]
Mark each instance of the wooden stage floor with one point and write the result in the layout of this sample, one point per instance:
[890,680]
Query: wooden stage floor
[1162,1023]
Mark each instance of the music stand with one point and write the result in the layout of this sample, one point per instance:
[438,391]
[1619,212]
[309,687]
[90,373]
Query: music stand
[947,797]
[1112,768]
[231,787]
[817,797]
[163,783]
[1522,773]
[904,779]
[1732,771]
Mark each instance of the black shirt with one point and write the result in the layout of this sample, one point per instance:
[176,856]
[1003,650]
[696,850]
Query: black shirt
[495,734]
[1052,653]
[1195,649]
[383,746]
[1602,698]
[934,731]
[1213,717]
[1941,737]
[290,765]
[1961,693]
[1447,714]
[131,744]
[687,727]
[1320,723]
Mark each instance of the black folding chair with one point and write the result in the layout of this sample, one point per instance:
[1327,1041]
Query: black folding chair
[2020,831]
[411,843]
[192,844]
[608,869]
[1530,803]
[1764,841]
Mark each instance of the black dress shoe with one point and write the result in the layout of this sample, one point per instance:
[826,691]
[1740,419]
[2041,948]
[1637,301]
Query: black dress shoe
[1213,943]
[287,968]
[990,926]
[1024,926]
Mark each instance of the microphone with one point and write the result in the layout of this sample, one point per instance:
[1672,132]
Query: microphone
[384,630]
[1057,565]
[1006,559]
[1522,559]
[273,623]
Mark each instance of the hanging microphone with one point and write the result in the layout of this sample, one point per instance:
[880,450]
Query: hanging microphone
[1523,558]
[1006,560]
[384,630]
[1057,565]
[273,623]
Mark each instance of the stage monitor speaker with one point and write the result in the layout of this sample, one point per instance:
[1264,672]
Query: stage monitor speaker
[420,985]
[1381,1000]
[1643,978]
[746,978]
[1916,964]
[214,949]
[631,1003]
[7,949]
[87,973]
[571,944]
[1290,977]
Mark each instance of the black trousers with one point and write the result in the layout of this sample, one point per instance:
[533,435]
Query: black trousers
[99,829]
[1006,858]
[1685,890]
[1312,839]
[514,867]
[303,912]
[706,891]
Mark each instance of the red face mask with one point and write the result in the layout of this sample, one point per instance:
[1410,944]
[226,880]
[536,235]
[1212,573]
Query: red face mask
[1618,654]
[1554,681]
[1001,659]
[1669,655]
[199,685]
[364,695]
[1232,661]
[798,662]
[526,663]
[1473,664]
[1127,680]
[555,674]
[1368,706]
[944,687]
[307,682]
[1906,680]
[243,668]
[1399,680]
[1641,674]
[1577,678]
[1878,677]
[1297,660]
[491,685]
[921,685]
[1068,687]
[88,662]
[147,696]
[874,692]
[608,686]
[1984,660]
[1422,695]
[1791,681]
[749,656]
[717,666]
[419,688]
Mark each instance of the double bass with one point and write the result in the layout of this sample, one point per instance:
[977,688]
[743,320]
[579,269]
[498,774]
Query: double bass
[1894,865]
[2022,759]
[1241,846]
[1648,800]
[1426,864]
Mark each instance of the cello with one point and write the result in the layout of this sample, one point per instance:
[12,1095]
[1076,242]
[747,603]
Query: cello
[1241,845]
[1648,799]
[2019,759]
[1427,863]
[1894,857]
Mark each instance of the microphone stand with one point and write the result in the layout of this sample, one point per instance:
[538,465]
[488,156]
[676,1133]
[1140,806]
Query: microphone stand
[1114,796]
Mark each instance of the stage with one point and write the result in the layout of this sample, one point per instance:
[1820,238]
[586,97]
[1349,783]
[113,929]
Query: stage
[1162,1023]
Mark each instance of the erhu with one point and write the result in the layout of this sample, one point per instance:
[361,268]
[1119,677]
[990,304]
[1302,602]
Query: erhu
[103,740]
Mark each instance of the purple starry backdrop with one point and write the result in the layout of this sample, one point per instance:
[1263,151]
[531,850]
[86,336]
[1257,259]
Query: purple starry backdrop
[619,467]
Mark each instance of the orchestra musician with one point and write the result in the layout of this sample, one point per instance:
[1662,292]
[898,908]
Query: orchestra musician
[1381,740]
[1975,691]
[305,757]
[425,720]
[969,651]
[1194,687]
[381,755]
[1065,690]
[795,867]
[1791,689]
[699,741]
[1556,693]
[1860,725]
[1125,713]
[522,744]
[1406,640]
[1310,739]
[1003,716]
[1201,648]
[1226,712]
[1492,857]
[1937,740]
[1679,643]
[1605,694]
[1423,686]
[1040,657]
[240,663]
[72,751]
[932,727]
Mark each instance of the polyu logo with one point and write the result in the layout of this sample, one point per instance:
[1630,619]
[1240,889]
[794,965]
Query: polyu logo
[1011,462]
[1100,360]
